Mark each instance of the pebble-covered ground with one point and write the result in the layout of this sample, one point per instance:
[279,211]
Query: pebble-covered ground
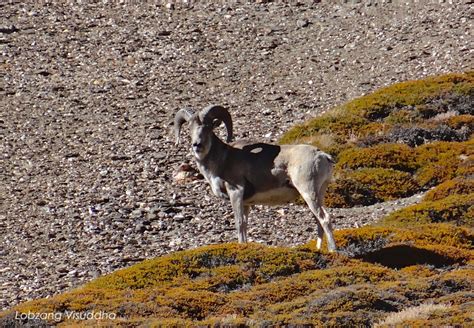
[89,90]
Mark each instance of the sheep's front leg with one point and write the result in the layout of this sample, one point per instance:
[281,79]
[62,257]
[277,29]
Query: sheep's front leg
[218,187]
[236,195]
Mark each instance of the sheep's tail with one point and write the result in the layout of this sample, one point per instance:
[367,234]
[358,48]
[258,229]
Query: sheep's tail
[331,162]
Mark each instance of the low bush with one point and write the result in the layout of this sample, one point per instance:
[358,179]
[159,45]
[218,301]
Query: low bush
[389,156]
[335,123]
[457,209]
[466,167]
[418,127]
[406,103]
[356,242]
[387,184]
[348,192]
[462,121]
[457,186]
[220,284]
[367,186]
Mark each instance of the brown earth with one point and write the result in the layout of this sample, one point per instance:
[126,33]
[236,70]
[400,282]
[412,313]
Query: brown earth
[88,93]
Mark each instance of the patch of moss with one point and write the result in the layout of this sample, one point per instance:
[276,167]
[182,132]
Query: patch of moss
[405,102]
[348,192]
[251,284]
[457,186]
[369,185]
[388,156]
[338,125]
[457,209]
[400,127]
[440,161]
[460,121]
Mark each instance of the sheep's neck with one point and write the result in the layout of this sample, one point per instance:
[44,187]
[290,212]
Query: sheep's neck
[212,167]
[216,157]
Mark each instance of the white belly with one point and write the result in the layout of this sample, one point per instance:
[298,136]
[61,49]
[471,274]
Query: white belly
[277,196]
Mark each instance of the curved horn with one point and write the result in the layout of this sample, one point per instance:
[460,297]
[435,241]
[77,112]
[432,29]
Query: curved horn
[216,112]
[183,115]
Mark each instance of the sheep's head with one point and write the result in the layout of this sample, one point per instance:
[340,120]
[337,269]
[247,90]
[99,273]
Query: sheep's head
[201,127]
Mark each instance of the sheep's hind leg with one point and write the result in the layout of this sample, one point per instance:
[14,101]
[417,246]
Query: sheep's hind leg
[313,194]
[320,234]
[323,220]
[311,178]
[325,216]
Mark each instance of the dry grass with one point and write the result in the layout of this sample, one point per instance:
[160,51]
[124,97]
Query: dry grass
[412,313]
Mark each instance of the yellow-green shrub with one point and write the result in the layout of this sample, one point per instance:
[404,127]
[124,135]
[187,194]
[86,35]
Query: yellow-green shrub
[211,266]
[383,116]
[403,116]
[466,167]
[353,272]
[386,184]
[368,238]
[348,192]
[335,123]
[389,156]
[433,174]
[442,151]
[402,102]
[458,209]
[367,186]
[409,94]
[195,305]
[440,161]
[459,121]
[458,186]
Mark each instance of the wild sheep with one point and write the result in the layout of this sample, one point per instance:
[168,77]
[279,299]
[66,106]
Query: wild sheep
[257,173]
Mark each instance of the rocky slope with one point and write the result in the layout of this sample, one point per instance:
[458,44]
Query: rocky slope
[88,93]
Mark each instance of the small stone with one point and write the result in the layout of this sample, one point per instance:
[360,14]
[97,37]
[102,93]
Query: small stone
[179,218]
[186,173]
[136,214]
[301,23]
[140,228]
